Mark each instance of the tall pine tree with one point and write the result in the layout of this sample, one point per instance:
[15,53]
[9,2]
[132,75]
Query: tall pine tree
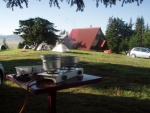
[117,34]
[37,30]
[139,29]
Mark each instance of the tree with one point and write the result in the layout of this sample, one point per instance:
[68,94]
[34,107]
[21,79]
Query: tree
[117,34]
[5,44]
[112,35]
[146,41]
[137,39]
[64,32]
[132,42]
[21,45]
[79,3]
[37,30]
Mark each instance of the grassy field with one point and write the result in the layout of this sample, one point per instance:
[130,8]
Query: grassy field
[125,87]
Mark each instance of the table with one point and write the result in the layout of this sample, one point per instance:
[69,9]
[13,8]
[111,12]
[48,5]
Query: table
[54,87]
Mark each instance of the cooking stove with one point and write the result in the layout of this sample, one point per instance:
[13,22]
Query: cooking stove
[61,75]
[55,68]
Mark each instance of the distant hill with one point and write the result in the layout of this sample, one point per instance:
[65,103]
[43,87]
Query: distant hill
[11,40]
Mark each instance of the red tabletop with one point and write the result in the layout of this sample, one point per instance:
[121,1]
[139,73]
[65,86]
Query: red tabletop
[73,82]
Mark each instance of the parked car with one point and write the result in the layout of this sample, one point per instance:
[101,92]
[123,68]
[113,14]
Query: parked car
[1,74]
[140,52]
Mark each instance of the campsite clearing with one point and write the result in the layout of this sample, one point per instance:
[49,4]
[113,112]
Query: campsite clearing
[125,86]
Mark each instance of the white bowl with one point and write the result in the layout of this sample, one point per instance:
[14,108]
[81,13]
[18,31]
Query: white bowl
[22,70]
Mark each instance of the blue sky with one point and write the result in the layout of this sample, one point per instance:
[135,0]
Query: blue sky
[66,18]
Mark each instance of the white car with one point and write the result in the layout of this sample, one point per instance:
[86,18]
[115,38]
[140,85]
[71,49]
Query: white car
[1,73]
[140,52]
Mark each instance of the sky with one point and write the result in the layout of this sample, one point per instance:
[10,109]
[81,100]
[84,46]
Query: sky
[66,18]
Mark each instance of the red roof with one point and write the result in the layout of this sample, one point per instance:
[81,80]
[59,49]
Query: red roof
[84,37]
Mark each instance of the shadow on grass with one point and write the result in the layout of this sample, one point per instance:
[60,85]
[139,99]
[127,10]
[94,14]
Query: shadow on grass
[114,75]
[90,103]
[122,77]
[12,98]
[73,52]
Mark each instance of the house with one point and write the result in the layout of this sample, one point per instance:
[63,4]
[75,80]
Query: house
[86,39]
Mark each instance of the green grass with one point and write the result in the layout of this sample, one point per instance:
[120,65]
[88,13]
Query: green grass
[125,87]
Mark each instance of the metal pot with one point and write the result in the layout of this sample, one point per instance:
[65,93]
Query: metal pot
[69,61]
[51,62]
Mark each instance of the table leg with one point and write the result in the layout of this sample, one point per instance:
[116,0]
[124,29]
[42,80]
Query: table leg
[52,102]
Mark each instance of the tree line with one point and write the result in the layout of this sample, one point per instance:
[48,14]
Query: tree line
[122,36]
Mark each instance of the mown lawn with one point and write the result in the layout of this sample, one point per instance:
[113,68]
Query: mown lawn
[125,87]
